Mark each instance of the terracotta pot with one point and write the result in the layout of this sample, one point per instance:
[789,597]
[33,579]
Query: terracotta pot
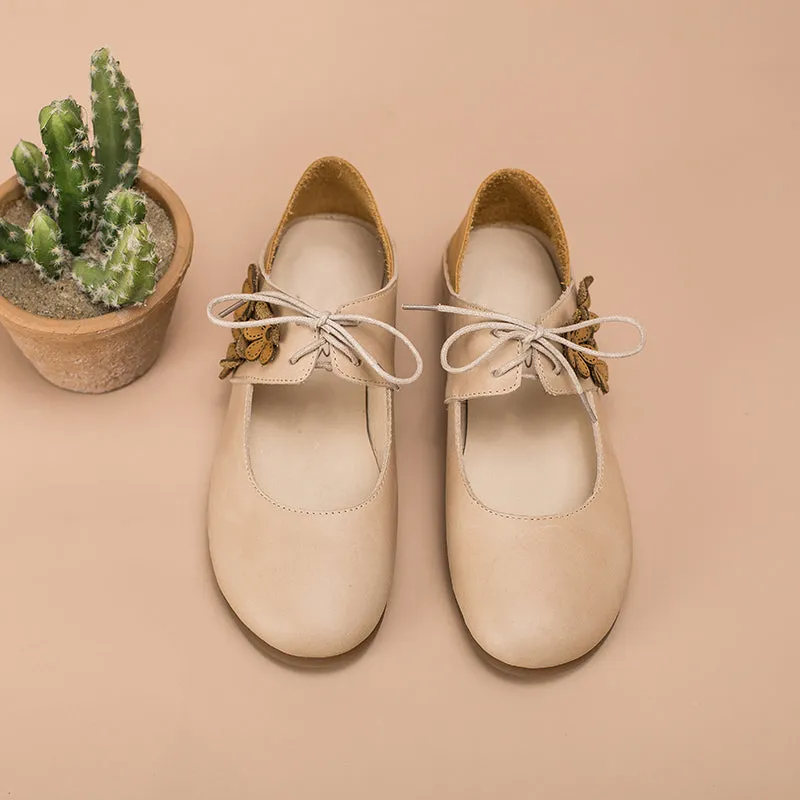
[104,353]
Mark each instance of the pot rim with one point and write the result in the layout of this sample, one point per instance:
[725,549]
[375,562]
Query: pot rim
[168,284]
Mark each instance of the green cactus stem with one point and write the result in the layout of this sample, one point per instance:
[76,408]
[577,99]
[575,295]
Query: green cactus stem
[91,276]
[33,172]
[115,123]
[43,245]
[12,242]
[128,275]
[122,207]
[66,141]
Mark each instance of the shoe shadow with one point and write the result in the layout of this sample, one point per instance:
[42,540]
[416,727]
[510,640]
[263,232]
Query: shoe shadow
[541,675]
[297,663]
[497,668]
[285,660]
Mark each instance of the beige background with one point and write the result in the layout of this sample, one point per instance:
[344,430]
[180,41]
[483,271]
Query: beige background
[668,134]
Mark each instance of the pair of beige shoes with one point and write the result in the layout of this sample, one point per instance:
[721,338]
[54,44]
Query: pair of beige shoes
[302,513]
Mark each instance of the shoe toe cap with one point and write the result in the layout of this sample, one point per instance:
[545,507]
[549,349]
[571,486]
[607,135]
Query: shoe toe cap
[322,626]
[543,596]
[313,589]
[535,641]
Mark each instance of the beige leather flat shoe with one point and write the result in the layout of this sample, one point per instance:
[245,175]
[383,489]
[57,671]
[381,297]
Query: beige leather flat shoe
[303,501]
[538,531]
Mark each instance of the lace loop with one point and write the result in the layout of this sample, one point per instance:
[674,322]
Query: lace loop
[330,329]
[533,338]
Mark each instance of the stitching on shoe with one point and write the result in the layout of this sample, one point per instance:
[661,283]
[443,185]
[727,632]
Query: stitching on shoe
[336,512]
[337,359]
[455,296]
[392,284]
[599,484]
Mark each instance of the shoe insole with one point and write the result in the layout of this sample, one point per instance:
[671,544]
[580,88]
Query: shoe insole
[309,443]
[527,452]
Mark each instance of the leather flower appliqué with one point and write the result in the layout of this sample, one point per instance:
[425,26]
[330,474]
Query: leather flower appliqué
[251,344]
[585,365]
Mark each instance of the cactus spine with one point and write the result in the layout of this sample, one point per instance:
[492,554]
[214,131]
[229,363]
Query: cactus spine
[12,242]
[83,191]
[66,141]
[43,246]
[90,276]
[33,172]
[122,207]
[128,275]
[116,124]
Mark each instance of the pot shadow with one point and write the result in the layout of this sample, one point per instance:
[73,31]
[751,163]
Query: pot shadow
[12,358]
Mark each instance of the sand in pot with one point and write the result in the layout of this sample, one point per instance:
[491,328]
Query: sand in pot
[20,284]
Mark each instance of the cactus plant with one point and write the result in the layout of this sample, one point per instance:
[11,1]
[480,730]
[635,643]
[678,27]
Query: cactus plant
[84,193]
[115,123]
[12,242]
[66,140]
[43,246]
[122,207]
[127,276]
[33,172]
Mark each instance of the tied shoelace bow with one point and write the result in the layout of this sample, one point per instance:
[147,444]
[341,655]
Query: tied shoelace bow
[533,338]
[331,330]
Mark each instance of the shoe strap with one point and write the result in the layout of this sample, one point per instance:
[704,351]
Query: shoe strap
[353,344]
[495,351]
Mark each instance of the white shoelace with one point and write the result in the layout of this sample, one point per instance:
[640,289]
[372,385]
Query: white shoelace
[330,328]
[533,338]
